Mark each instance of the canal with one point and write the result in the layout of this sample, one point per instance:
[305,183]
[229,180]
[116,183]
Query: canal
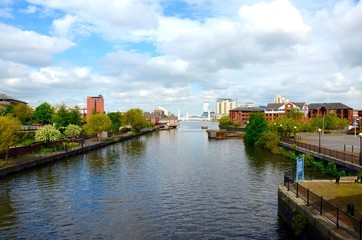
[173,184]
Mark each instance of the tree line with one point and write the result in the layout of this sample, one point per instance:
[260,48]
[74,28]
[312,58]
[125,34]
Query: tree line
[61,122]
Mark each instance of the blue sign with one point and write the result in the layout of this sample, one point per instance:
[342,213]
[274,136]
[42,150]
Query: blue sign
[300,168]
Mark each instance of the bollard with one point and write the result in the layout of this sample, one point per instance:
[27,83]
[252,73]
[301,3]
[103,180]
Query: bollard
[350,209]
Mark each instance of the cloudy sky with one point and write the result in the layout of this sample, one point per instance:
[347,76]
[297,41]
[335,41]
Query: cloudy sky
[178,53]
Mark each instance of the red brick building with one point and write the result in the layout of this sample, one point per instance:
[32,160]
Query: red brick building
[241,115]
[324,109]
[95,105]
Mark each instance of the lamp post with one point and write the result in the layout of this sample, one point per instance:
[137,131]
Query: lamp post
[319,131]
[295,133]
[360,148]
[281,131]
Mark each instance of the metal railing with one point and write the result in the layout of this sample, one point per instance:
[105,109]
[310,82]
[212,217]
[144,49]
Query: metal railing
[343,220]
[347,157]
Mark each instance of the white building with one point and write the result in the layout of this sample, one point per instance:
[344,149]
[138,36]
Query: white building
[206,106]
[224,105]
[280,99]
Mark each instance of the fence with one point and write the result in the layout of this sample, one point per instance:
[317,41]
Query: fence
[347,157]
[349,223]
[50,150]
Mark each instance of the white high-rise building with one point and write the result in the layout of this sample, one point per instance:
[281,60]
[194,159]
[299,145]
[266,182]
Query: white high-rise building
[280,99]
[206,106]
[224,105]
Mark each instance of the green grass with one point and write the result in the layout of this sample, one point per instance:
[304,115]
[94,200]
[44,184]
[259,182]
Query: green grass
[339,195]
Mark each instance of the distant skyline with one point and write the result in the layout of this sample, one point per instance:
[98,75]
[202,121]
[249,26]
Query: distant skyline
[179,53]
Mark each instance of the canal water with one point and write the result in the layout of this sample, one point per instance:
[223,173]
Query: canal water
[175,184]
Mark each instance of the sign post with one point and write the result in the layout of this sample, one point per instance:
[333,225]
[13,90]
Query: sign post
[300,168]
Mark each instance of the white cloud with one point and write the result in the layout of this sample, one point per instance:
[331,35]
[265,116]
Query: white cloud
[337,83]
[61,27]
[28,46]
[31,9]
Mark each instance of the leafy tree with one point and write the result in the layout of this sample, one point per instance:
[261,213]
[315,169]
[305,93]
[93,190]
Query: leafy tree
[285,126]
[134,118]
[47,133]
[225,121]
[8,126]
[116,120]
[269,140]
[6,110]
[23,112]
[74,116]
[96,124]
[73,131]
[43,113]
[63,117]
[256,126]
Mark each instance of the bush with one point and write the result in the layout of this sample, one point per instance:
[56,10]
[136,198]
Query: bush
[28,139]
[47,133]
[269,140]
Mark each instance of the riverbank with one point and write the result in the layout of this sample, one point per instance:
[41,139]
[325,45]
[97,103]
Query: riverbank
[21,164]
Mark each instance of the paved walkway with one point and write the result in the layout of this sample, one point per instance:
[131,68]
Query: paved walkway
[333,141]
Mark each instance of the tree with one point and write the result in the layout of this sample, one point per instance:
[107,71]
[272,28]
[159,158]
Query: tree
[6,110]
[256,126]
[134,118]
[96,124]
[23,112]
[116,120]
[225,121]
[43,113]
[8,127]
[74,116]
[63,117]
[47,133]
[73,131]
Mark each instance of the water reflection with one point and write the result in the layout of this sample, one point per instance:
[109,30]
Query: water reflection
[172,185]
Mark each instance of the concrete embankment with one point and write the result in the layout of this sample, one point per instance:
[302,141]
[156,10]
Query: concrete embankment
[317,226]
[40,160]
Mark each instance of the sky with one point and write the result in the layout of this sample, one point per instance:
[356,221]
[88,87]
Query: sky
[178,53]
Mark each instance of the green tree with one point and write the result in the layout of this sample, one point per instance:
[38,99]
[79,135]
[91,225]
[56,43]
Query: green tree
[256,126]
[8,127]
[73,131]
[269,140]
[74,116]
[134,118]
[23,112]
[225,121]
[116,120]
[43,114]
[96,124]
[6,110]
[47,133]
[64,116]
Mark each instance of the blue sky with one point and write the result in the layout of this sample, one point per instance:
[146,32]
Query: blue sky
[177,54]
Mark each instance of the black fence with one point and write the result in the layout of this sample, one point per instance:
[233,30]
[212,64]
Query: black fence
[347,157]
[342,219]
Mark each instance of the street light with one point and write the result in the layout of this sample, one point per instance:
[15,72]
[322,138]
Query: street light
[319,131]
[360,148]
[295,133]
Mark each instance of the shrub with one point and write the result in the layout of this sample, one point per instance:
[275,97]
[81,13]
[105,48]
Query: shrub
[269,140]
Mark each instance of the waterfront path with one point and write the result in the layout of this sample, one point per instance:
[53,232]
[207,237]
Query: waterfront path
[341,149]
[336,142]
